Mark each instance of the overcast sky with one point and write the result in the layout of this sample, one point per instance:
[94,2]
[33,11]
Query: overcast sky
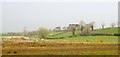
[16,15]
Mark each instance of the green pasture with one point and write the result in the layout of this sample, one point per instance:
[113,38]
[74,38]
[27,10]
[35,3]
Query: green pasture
[106,30]
[77,32]
[78,38]
[106,39]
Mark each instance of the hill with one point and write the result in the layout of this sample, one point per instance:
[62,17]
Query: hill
[77,32]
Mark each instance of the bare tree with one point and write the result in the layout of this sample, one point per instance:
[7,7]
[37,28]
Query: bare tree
[112,25]
[85,31]
[77,26]
[82,24]
[72,28]
[103,25]
[43,33]
[86,28]
[92,25]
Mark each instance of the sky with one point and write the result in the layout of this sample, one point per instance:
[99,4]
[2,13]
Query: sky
[32,14]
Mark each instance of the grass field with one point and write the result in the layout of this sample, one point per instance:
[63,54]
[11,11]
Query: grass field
[77,32]
[107,39]
[107,30]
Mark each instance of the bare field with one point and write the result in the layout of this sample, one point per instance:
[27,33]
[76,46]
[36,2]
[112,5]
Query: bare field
[59,48]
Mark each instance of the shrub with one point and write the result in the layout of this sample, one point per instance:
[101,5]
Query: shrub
[43,33]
